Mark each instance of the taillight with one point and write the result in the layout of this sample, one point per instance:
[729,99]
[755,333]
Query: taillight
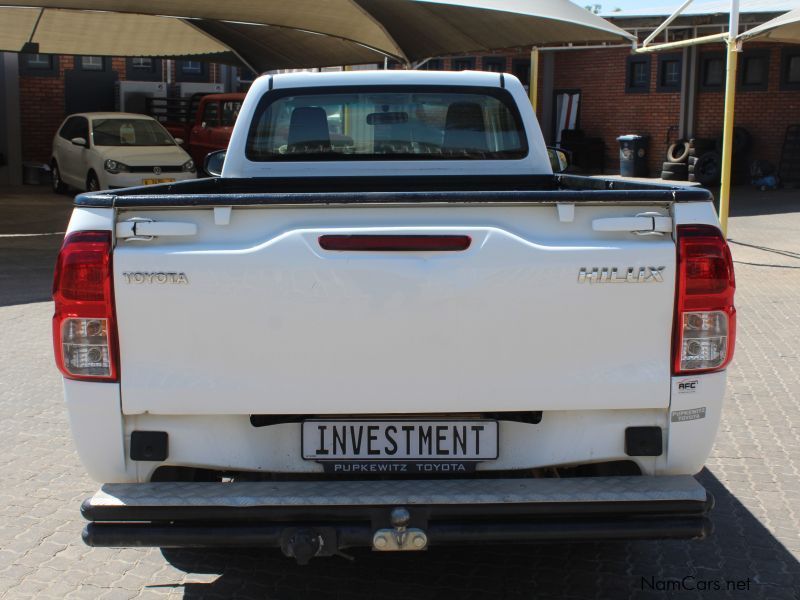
[705,319]
[84,329]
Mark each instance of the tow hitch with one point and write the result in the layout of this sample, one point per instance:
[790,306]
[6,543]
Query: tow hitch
[400,537]
[305,543]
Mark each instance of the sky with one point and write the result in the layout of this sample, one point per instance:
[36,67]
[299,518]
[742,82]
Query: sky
[610,5]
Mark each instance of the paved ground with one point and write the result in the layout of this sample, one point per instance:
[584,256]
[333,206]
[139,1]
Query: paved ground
[754,471]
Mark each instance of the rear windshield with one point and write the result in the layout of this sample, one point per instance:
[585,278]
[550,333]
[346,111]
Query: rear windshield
[129,132]
[387,124]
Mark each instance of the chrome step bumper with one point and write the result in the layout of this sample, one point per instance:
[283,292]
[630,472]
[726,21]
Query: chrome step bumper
[347,513]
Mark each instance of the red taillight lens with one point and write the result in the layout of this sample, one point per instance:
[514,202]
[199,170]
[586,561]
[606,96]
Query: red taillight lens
[84,328]
[705,318]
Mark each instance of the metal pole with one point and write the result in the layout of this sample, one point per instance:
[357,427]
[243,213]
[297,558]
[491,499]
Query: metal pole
[717,37]
[533,87]
[727,130]
[666,23]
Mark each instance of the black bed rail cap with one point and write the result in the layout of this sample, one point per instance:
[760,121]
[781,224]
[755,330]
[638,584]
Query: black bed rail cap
[511,189]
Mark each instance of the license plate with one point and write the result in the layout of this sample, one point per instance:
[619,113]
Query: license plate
[154,181]
[466,440]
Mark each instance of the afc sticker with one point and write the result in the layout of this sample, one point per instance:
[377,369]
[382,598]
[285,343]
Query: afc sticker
[688,386]
[679,416]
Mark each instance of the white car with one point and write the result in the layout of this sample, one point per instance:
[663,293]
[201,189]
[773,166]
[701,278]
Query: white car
[100,151]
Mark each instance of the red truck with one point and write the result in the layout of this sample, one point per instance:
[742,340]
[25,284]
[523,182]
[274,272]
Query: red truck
[203,123]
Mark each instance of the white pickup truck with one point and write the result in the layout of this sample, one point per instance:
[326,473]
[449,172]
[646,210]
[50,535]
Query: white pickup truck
[389,324]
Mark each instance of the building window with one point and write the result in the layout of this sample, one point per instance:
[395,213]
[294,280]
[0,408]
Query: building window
[638,74]
[464,63]
[790,69]
[754,71]
[521,69]
[246,75]
[669,72]
[140,63]
[712,72]
[434,64]
[40,65]
[495,64]
[191,70]
[192,67]
[142,68]
[90,63]
[40,61]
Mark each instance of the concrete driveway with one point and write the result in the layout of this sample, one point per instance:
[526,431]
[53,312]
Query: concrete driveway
[754,471]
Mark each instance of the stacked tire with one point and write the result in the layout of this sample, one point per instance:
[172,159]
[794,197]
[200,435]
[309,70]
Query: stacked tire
[700,160]
[701,148]
[676,167]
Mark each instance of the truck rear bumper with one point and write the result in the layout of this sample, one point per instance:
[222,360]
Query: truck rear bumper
[344,514]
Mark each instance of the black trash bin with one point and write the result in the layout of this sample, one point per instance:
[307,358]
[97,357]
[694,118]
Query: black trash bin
[633,155]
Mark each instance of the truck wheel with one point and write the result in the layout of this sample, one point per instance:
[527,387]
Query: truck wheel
[708,168]
[678,152]
[59,187]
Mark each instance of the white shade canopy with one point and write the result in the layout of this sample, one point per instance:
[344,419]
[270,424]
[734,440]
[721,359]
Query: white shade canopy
[785,28]
[272,34]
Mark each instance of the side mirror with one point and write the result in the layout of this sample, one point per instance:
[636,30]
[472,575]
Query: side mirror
[79,141]
[179,141]
[214,162]
[559,160]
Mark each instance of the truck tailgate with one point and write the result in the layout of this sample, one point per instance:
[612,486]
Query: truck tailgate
[255,316]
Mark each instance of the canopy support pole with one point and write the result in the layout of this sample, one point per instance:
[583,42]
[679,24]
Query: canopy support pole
[728,122]
[706,39]
[533,85]
[666,23]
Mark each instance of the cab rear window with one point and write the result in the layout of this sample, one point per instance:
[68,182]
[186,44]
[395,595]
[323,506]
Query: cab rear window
[394,123]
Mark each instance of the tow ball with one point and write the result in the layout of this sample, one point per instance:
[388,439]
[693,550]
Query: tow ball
[400,537]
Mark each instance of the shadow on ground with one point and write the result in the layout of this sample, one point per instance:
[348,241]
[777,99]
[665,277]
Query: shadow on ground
[26,268]
[746,201]
[32,222]
[741,558]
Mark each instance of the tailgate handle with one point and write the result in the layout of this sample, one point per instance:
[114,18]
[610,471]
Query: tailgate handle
[146,229]
[641,223]
[395,243]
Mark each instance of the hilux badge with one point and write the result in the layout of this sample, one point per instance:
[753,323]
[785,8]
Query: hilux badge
[621,275]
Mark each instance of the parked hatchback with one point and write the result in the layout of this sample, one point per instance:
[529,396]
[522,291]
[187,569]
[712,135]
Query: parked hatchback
[99,151]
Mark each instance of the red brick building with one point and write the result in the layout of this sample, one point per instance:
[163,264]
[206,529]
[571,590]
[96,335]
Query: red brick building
[665,96]
[51,87]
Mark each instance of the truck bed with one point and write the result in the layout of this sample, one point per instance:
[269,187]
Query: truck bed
[538,189]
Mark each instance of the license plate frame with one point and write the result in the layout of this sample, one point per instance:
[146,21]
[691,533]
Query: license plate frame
[155,181]
[488,436]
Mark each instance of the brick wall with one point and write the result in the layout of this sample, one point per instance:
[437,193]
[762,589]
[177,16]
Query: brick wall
[42,106]
[41,102]
[607,111]
[765,114]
